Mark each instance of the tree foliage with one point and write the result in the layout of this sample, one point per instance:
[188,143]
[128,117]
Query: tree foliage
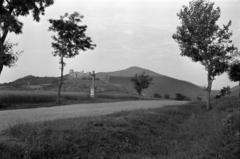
[10,10]
[202,40]
[69,40]
[141,81]
[10,57]
[234,71]
[71,37]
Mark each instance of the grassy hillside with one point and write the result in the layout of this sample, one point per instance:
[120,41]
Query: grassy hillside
[166,85]
[119,83]
[83,85]
[32,80]
[174,132]
[116,85]
[69,85]
[162,85]
[235,91]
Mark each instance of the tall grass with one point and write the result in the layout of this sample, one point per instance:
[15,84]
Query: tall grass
[20,97]
[181,132]
[118,96]
[44,97]
[9,99]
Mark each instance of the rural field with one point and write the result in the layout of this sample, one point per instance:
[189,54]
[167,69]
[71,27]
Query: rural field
[34,99]
[171,132]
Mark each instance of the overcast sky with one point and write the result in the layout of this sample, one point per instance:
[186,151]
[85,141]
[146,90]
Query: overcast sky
[127,33]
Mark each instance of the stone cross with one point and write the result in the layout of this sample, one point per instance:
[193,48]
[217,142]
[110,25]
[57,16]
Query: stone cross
[93,79]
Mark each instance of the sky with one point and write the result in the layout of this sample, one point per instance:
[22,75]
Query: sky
[127,33]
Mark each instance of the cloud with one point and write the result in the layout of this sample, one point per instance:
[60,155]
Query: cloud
[129,32]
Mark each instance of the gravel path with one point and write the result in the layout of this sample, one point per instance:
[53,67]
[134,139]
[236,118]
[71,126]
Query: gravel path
[12,117]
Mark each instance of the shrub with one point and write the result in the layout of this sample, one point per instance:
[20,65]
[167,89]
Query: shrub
[156,95]
[179,96]
[166,96]
[225,91]
[217,96]
[199,98]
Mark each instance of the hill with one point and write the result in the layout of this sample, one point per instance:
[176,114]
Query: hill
[69,85]
[235,91]
[119,82]
[33,80]
[130,72]
[162,85]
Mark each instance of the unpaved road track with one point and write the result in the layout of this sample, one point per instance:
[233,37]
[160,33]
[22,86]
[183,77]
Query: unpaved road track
[12,117]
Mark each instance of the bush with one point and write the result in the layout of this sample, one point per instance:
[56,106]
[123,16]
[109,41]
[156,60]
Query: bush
[217,96]
[199,98]
[225,91]
[166,96]
[179,96]
[156,95]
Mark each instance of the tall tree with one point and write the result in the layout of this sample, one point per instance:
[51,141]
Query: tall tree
[202,40]
[10,10]
[69,40]
[234,73]
[141,82]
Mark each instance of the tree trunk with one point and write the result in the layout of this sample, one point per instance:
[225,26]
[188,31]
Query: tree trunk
[1,57]
[239,92]
[2,40]
[209,87]
[61,79]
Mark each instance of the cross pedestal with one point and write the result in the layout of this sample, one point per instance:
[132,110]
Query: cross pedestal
[93,92]
[93,87]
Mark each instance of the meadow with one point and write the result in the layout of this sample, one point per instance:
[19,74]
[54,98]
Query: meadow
[34,99]
[174,132]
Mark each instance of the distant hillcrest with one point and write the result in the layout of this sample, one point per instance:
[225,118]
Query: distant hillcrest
[129,72]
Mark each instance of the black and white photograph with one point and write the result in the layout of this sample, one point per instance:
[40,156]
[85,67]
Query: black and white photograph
[119,79]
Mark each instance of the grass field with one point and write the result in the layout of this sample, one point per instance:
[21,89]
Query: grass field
[174,132]
[34,99]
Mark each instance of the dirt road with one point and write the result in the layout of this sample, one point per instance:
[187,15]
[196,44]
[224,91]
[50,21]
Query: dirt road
[12,117]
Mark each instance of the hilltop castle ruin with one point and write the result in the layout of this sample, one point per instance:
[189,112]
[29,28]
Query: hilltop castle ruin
[78,75]
[87,75]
